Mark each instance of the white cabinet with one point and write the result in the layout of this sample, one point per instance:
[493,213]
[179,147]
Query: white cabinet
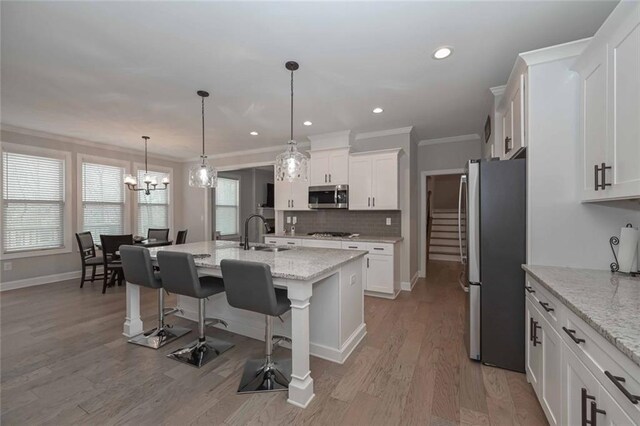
[551,389]
[329,167]
[333,244]
[533,354]
[291,195]
[373,180]
[512,108]
[382,274]
[610,108]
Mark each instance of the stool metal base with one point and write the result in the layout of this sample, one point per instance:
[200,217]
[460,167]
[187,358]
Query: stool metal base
[157,338]
[199,353]
[260,376]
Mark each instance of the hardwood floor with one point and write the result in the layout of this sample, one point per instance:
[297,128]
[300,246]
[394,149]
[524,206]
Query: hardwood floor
[411,369]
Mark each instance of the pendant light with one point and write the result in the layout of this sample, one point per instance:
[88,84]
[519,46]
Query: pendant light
[150,182]
[203,175]
[292,165]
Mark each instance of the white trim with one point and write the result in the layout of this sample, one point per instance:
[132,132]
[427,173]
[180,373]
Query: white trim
[45,279]
[498,90]
[93,159]
[422,252]
[408,286]
[68,199]
[450,139]
[554,53]
[172,183]
[381,151]
[388,132]
[274,148]
[93,144]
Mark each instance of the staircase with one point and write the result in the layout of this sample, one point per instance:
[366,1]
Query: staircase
[443,239]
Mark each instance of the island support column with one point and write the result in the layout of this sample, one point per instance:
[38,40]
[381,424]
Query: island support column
[132,321]
[301,386]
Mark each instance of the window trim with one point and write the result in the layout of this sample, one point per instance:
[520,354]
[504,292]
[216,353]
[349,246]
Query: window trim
[93,159]
[134,222]
[67,221]
[215,207]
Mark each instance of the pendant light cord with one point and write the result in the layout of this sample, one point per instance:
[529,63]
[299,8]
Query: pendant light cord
[291,139]
[146,168]
[203,130]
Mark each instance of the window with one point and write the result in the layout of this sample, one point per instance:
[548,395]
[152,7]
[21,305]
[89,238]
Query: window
[33,202]
[153,209]
[103,210]
[227,206]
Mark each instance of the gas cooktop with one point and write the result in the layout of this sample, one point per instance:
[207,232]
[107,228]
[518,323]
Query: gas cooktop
[329,234]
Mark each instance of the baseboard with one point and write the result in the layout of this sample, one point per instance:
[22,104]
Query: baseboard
[405,286]
[45,279]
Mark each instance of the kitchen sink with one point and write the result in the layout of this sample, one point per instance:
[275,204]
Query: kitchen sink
[267,248]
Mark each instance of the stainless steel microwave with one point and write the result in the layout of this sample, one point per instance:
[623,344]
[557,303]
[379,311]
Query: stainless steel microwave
[329,197]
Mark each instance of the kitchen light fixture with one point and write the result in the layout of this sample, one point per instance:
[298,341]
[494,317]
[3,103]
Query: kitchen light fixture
[203,175]
[442,52]
[377,110]
[307,123]
[150,182]
[291,164]
[254,133]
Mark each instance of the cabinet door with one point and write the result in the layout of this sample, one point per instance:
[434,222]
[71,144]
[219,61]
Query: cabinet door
[359,183]
[594,123]
[533,353]
[339,168]
[579,388]
[624,109]
[612,413]
[282,195]
[551,395]
[380,273]
[384,183]
[299,195]
[517,107]
[319,168]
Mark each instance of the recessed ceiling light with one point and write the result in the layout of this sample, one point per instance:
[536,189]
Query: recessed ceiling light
[442,52]
[307,123]
[377,110]
[254,133]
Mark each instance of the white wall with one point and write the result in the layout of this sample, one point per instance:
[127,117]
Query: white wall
[450,155]
[562,231]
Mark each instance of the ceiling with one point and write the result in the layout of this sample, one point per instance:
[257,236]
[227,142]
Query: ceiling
[110,72]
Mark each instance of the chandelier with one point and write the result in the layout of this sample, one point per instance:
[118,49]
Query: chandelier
[150,182]
[291,164]
[203,175]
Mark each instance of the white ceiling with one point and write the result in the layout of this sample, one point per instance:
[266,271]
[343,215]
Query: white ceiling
[112,71]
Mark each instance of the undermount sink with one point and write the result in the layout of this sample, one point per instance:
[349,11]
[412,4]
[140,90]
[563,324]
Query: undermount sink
[272,249]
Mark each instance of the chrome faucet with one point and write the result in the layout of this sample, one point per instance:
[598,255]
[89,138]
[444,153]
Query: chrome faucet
[246,228]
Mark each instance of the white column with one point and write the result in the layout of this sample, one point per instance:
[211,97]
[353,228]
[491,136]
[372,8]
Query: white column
[132,321]
[301,386]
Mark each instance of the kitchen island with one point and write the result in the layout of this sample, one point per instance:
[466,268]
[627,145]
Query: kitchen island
[323,285]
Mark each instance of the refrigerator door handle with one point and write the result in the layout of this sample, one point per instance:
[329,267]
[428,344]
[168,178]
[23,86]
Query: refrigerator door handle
[463,182]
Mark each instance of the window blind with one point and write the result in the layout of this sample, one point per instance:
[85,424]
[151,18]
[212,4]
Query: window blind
[153,209]
[227,206]
[102,199]
[33,200]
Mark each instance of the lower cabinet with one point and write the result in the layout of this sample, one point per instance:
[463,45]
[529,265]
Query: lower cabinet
[380,273]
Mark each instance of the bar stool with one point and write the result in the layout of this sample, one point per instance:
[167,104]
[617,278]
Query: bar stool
[138,269]
[249,286]
[179,276]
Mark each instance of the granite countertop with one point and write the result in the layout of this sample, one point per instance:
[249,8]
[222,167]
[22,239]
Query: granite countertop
[298,263]
[360,239]
[608,303]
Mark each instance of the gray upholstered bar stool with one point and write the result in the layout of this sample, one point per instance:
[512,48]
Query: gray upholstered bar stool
[179,276]
[249,286]
[137,267]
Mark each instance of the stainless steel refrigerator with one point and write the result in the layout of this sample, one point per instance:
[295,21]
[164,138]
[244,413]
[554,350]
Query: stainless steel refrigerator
[492,200]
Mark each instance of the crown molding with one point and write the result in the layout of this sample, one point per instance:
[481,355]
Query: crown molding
[450,139]
[323,136]
[498,90]
[388,132]
[555,53]
[275,148]
[82,142]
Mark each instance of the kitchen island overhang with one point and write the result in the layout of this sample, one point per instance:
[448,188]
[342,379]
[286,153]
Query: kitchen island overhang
[327,303]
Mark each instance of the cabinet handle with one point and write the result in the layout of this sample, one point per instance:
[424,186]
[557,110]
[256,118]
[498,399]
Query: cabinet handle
[572,334]
[583,402]
[529,289]
[546,307]
[288,203]
[378,248]
[329,177]
[603,170]
[367,262]
[536,342]
[290,243]
[374,201]
[595,177]
[617,380]
[291,203]
[594,413]
[507,144]
[325,178]
[531,329]
[368,201]
[353,247]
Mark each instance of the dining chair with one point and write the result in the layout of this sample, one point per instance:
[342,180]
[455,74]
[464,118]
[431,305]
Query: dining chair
[88,256]
[110,258]
[159,234]
[181,238]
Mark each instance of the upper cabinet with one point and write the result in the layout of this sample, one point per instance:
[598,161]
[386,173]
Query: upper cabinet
[291,195]
[609,72]
[512,109]
[373,180]
[329,167]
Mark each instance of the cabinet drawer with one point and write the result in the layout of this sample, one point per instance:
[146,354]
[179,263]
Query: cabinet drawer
[546,303]
[350,245]
[321,243]
[271,241]
[384,249]
[601,357]
[283,241]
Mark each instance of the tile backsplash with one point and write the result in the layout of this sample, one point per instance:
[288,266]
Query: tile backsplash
[338,220]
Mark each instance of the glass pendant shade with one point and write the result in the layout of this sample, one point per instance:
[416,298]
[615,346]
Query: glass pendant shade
[292,164]
[203,175]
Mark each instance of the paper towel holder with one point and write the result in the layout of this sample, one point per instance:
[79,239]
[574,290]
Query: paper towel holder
[614,241]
